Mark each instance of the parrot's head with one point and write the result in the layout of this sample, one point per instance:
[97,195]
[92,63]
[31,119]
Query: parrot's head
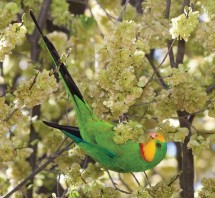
[155,149]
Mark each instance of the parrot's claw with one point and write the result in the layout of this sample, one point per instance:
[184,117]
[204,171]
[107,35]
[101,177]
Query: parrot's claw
[135,179]
[147,179]
[115,184]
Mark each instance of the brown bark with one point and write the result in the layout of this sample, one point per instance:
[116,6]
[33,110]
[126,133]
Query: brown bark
[34,39]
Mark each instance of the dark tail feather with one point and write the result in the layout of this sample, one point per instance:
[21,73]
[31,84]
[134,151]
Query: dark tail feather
[74,131]
[62,68]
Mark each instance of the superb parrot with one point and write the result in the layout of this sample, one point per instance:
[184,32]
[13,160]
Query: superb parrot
[95,136]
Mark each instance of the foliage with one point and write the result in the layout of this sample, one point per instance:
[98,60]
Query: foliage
[183,25]
[122,71]
[35,91]
[208,188]
[125,131]
[119,73]
[163,189]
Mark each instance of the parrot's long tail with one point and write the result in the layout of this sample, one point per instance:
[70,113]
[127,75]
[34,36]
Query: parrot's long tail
[81,107]
[70,131]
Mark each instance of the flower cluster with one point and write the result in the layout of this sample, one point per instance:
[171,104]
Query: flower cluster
[7,13]
[172,133]
[130,130]
[11,36]
[206,30]
[183,25]
[154,26]
[73,177]
[184,94]
[121,55]
[163,189]
[197,143]
[208,189]
[7,151]
[94,189]
[36,90]
[60,6]
[8,116]
[18,170]
[93,171]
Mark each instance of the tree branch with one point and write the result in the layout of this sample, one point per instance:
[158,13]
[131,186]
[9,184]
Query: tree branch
[34,39]
[171,54]
[160,79]
[2,85]
[38,170]
[123,11]
[187,162]
[168,5]
[160,64]
[109,16]
[187,177]
[210,89]
[180,52]
[185,3]
[179,160]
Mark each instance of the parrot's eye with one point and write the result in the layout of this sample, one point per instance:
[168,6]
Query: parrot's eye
[158,145]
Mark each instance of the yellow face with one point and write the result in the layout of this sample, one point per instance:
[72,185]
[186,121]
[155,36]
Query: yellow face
[160,137]
[148,149]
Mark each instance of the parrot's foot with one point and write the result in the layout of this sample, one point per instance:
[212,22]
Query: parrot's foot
[115,185]
[135,179]
[147,179]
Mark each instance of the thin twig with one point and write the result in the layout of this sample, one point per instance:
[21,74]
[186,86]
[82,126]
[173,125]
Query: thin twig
[109,16]
[38,170]
[123,11]
[160,79]
[124,183]
[34,80]
[171,54]
[114,184]
[100,32]
[174,179]
[58,148]
[10,115]
[85,162]
[195,113]
[61,144]
[160,64]
[24,193]
[190,123]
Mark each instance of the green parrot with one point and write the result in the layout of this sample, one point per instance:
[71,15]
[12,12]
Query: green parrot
[95,136]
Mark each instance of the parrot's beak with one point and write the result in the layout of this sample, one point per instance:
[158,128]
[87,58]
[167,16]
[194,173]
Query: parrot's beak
[153,135]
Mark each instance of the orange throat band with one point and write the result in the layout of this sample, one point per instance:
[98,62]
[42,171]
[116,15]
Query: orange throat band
[147,151]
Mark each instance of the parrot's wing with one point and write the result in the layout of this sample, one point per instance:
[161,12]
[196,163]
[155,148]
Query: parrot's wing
[74,133]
